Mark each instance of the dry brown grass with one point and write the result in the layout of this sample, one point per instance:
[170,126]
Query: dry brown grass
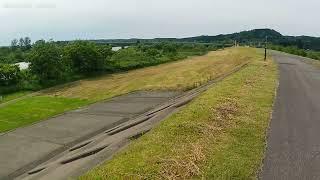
[226,110]
[184,167]
[179,75]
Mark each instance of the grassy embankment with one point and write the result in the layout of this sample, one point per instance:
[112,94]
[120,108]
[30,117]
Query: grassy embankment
[9,97]
[219,135]
[180,75]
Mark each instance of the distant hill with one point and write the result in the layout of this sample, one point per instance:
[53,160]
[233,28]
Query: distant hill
[254,37]
[241,37]
[258,36]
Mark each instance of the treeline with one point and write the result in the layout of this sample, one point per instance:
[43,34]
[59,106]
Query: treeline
[52,64]
[253,38]
[297,51]
[16,52]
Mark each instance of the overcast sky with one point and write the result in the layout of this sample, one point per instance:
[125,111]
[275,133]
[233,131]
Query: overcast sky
[94,19]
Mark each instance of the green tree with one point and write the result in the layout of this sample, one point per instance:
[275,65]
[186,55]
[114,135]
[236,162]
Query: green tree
[152,52]
[105,51]
[27,43]
[15,56]
[84,57]
[46,63]
[9,74]
[21,43]
[170,48]
[14,44]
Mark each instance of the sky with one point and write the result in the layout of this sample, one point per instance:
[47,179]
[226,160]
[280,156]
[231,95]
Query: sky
[109,19]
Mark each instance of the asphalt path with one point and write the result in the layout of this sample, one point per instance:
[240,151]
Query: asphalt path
[293,146]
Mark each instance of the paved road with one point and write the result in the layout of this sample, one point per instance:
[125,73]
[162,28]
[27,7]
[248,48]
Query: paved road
[293,149]
[24,148]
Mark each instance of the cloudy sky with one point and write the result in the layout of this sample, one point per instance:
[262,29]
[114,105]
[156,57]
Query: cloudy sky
[94,19]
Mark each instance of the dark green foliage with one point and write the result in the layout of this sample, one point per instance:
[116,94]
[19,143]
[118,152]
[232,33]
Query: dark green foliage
[9,78]
[16,52]
[130,58]
[14,44]
[23,43]
[10,55]
[85,57]
[9,74]
[256,35]
[27,43]
[16,56]
[47,63]
[170,48]
[105,51]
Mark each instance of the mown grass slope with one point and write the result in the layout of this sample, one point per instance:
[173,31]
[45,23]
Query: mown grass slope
[181,75]
[219,135]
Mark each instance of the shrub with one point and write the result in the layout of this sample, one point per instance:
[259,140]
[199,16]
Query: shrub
[130,58]
[28,81]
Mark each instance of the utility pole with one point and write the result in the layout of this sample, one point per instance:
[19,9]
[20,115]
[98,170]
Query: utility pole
[265,49]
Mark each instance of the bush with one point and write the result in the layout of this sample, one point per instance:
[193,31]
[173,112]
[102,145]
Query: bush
[28,81]
[130,58]
[105,51]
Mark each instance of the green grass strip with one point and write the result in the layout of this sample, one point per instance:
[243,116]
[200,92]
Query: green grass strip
[33,109]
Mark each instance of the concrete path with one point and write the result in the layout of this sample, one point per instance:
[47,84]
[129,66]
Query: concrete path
[25,148]
[293,150]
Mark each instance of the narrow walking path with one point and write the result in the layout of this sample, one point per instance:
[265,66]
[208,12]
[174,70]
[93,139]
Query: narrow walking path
[24,148]
[293,146]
